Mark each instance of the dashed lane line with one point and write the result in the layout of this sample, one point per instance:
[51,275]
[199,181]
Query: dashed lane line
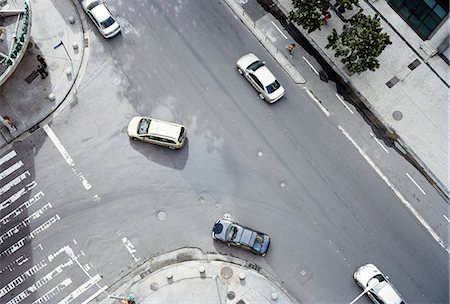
[396,192]
[417,185]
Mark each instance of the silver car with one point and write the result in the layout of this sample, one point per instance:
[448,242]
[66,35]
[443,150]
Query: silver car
[102,17]
[382,292]
[260,77]
[237,235]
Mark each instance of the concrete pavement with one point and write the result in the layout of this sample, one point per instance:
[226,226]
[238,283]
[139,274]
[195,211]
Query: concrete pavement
[188,275]
[57,35]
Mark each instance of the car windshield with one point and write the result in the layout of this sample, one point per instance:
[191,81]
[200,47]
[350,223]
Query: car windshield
[255,65]
[143,126]
[273,87]
[107,22]
[259,240]
[92,5]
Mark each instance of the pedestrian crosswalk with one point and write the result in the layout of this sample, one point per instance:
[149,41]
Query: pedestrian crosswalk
[36,266]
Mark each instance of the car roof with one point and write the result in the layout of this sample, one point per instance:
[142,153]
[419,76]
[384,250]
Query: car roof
[100,12]
[167,129]
[265,75]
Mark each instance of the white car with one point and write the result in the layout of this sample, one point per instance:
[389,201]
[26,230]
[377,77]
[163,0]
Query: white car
[102,17]
[382,292]
[260,77]
[158,132]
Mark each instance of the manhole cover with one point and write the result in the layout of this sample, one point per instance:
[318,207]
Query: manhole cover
[161,215]
[226,272]
[231,295]
[397,115]
[154,286]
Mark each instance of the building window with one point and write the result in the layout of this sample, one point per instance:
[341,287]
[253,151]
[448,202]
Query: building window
[422,15]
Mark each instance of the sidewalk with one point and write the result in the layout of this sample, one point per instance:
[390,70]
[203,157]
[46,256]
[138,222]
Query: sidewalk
[416,108]
[188,275]
[27,98]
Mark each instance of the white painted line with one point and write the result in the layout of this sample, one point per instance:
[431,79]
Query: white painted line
[7,157]
[58,145]
[95,295]
[417,185]
[397,193]
[130,248]
[53,292]
[14,182]
[11,169]
[447,219]
[310,65]
[273,23]
[343,102]
[77,292]
[317,102]
[19,210]
[381,145]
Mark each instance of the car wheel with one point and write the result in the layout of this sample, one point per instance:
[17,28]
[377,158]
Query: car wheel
[240,71]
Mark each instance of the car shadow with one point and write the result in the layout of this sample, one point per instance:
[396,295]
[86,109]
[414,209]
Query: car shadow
[163,156]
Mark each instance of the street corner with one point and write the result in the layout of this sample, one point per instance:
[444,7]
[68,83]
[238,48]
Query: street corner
[188,275]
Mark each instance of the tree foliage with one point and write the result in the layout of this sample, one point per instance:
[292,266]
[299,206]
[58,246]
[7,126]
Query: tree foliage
[343,5]
[359,44]
[309,13]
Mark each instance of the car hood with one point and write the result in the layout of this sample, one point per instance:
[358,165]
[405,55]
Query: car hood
[133,126]
[247,60]
[365,273]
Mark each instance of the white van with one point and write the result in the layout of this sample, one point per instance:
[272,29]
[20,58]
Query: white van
[163,133]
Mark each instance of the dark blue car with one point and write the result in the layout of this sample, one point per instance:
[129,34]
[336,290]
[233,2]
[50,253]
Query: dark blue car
[234,234]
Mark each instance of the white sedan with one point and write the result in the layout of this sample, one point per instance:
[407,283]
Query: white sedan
[382,291]
[260,77]
[102,17]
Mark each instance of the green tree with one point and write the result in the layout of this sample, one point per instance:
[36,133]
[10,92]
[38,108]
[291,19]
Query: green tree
[360,43]
[309,13]
[343,5]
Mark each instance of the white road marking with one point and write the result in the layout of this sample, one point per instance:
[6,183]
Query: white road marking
[19,261]
[88,300]
[447,219]
[59,145]
[310,65]
[14,182]
[343,102]
[20,243]
[53,292]
[130,248]
[397,193]
[16,212]
[69,160]
[317,102]
[39,283]
[7,157]
[381,145]
[21,278]
[417,185]
[24,223]
[273,23]
[77,292]
[11,169]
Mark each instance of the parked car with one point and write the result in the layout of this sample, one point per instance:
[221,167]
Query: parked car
[237,235]
[102,17]
[260,77]
[157,132]
[382,292]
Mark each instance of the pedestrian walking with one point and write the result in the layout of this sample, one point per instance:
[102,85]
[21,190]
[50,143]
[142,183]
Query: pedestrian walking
[290,48]
[41,61]
[41,71]
[7,122]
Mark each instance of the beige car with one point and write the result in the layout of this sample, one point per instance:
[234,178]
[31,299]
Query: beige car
[157,132]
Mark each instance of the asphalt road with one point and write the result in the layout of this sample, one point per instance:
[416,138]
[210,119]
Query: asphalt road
[284,169]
